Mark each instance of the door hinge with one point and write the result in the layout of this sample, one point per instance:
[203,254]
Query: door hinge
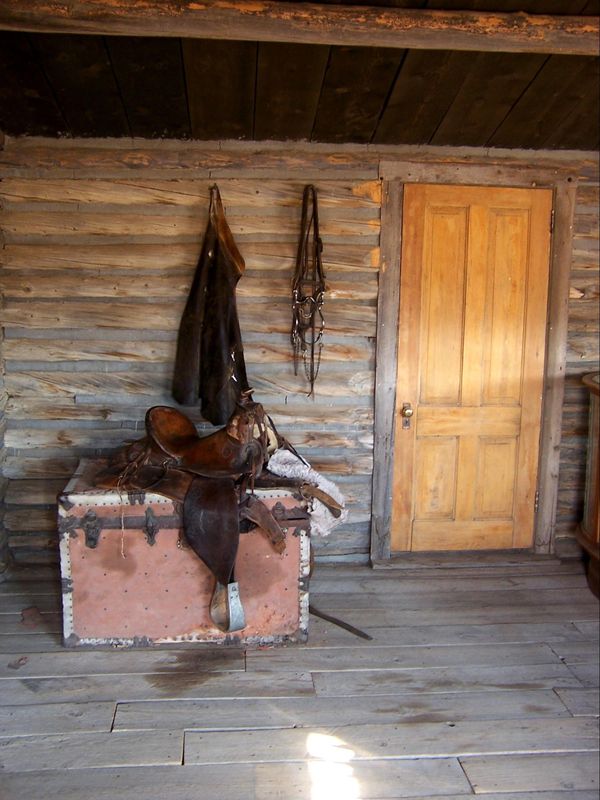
[552,221]
[536,502]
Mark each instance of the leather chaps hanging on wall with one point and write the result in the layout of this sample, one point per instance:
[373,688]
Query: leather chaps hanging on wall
[209,365]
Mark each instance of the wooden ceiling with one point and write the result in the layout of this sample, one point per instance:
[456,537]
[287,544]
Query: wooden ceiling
[122,86]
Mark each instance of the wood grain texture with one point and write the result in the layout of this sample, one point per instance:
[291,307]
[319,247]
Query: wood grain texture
[386,359]
[72,750]
[565,772]
[557,343]
[66,60]
[384,741]
[353,94]
[281,67]
[223,105]
[290,22]
[502,708]
[140,65]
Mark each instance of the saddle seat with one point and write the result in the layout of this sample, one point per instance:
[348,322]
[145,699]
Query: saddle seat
[230,452]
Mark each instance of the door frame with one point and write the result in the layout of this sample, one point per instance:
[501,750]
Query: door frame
[562,180]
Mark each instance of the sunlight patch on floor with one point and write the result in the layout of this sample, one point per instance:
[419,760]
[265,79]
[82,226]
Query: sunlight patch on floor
[332,776]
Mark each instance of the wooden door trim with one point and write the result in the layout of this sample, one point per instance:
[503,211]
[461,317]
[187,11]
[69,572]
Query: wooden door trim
[564,186]
[556,363]
[386,364]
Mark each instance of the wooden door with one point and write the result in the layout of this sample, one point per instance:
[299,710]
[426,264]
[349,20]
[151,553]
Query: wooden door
[473,303]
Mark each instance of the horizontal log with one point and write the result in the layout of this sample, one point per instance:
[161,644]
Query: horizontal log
[332,466]
[21,225]
[584,287]
[587,195]
[583,347]
[49,467]
[340,317]
[158,382]
[276,256]
[27,557]
[69,384]
[149,352]
[272,21]
[30,519]
[69,436]
[585,243]
[98,159]
[586,225]
[285,415]
[31,547]
[33,492]
[584,308]
[113,160]
[193,194]
[172,285]
[51,350]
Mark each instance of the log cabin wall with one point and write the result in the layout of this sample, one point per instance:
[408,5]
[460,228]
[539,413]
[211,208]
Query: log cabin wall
[582,357]
[100,241]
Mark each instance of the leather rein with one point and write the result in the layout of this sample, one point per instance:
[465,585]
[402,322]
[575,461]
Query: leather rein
[308,290]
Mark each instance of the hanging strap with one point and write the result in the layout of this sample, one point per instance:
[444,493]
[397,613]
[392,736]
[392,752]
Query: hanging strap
[308,289]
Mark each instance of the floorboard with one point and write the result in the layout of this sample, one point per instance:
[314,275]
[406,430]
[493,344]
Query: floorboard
[581,702]
[481,678]
[464,678]
[408,740]
[90,750]
[259,713]
[56,718]
[354,659]
[565,771]
[153,686]
[86,663]
[323,634]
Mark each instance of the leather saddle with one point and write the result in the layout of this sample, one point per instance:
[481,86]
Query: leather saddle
[209,475]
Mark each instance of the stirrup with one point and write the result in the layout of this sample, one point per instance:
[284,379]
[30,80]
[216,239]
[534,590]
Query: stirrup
[226,609]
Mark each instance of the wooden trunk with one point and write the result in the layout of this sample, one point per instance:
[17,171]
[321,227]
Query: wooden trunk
[129,577]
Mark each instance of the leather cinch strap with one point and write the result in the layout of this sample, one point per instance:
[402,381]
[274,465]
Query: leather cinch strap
[308,290]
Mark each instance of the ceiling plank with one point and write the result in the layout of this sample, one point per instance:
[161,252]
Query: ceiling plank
[142,65]
[579,124]
[221,78]
[424,91]
[274,21]
[27,103]
[81,76]
[354,92]
[493,86]
[288,86]
[552,96]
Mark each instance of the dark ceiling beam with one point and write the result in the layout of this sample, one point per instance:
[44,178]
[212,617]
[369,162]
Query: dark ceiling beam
[272,21]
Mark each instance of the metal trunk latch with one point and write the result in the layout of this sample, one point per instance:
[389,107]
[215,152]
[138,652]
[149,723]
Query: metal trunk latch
[91,527]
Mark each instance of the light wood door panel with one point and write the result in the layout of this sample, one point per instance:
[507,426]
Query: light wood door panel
[473,301]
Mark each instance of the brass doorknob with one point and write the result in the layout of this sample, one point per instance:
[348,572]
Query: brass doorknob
[407,410]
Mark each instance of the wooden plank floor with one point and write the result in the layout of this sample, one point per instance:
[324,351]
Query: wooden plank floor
[481,678]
